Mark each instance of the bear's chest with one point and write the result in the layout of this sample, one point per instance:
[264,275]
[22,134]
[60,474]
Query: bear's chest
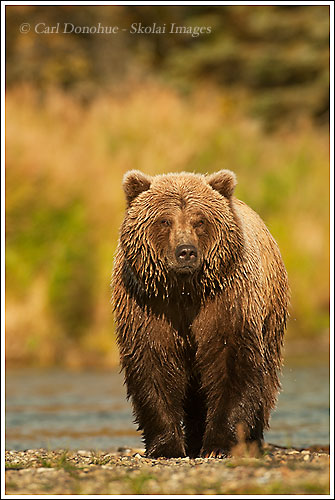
[181,311]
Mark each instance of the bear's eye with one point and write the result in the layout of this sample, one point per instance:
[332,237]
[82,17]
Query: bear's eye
[165,222]
[199,223]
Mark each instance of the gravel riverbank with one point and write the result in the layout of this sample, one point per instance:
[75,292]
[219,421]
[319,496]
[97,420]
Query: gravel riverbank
[127,472]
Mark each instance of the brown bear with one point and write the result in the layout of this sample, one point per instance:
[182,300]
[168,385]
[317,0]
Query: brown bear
[200,295]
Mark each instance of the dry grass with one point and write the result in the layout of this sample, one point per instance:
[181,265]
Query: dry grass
[64,204]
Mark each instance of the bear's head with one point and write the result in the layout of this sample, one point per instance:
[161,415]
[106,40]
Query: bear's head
[179,225]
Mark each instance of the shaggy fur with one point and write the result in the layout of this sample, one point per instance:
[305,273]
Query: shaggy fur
[199,331]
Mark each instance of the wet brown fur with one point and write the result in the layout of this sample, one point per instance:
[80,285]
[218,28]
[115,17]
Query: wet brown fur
[201,350]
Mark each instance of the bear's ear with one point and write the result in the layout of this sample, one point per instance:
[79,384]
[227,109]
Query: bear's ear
[223,181]
[134,183]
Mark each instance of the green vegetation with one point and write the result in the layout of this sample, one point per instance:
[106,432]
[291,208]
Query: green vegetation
[137,484]
[274,59]
[251,98]
[99,459]
[14,466]
[61,462]
[64,463]
[46,463]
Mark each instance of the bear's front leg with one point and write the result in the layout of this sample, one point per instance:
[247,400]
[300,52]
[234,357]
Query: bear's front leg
[156,381]
[158,416]
[163,436]
[157,406]
[240,425]
[233,382]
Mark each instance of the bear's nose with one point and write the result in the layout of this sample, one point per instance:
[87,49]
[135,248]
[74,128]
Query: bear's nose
[186,254]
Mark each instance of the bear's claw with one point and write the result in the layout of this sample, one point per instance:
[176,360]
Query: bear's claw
[216,453]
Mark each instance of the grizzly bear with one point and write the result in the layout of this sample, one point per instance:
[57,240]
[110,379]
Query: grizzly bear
[200,295]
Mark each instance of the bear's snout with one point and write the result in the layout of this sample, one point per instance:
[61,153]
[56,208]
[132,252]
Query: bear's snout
[186,256]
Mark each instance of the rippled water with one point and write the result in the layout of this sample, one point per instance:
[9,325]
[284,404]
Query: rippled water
[58,409]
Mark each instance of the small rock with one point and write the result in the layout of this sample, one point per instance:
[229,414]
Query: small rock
[141,451]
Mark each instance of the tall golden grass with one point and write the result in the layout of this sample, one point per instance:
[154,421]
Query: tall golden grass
[64,205]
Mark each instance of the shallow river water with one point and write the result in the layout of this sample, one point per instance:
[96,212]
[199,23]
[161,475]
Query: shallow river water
[58,409]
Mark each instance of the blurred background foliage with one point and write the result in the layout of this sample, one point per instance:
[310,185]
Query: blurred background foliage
[82,109]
